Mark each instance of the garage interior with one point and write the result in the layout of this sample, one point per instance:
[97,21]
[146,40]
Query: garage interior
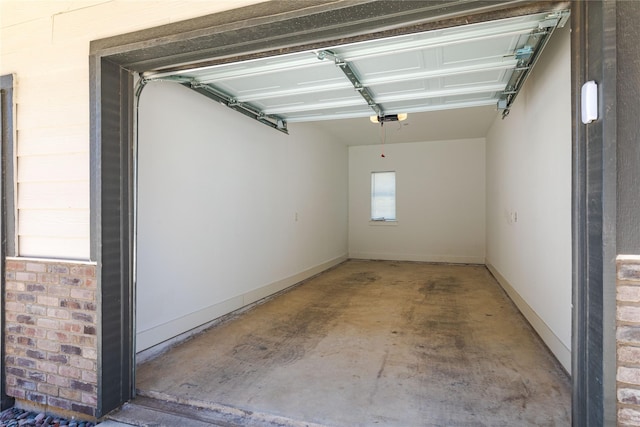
[367,343]
[230,212]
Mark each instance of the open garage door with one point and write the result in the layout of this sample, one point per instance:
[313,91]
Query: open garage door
[460,67]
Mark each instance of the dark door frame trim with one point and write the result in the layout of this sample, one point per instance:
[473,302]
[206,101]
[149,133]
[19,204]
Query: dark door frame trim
[594,217]
[7,210]
[279,27]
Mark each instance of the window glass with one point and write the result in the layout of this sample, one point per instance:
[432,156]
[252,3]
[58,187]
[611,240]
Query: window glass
[383,196]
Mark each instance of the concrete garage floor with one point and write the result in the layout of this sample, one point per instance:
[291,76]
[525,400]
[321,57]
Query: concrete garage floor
[372,343]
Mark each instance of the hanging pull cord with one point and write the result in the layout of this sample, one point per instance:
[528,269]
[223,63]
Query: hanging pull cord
[383,135]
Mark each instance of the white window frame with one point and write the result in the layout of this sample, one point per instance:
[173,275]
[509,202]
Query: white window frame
[375,197]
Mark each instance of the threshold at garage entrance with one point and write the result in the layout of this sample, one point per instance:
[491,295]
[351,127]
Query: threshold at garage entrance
[367,343]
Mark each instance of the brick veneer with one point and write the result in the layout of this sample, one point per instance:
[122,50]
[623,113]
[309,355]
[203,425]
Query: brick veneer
[628,340]
[51,343]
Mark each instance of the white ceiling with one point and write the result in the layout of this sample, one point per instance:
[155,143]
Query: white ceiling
[428,126]
[448,80]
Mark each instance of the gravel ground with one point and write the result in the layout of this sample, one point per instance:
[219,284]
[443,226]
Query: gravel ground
[15,417]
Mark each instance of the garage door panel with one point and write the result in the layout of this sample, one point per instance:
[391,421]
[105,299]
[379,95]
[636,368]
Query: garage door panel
[455,99]
[474,79]
[467,65]
[437,103]
[390,65]
[409,87]
[326,99]
[480,51]
[283,80]
[253,67]
[336,113]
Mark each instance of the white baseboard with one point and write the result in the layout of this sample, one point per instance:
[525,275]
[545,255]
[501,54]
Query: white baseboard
[451,259]
[176,330]
[264,291]
[557,347]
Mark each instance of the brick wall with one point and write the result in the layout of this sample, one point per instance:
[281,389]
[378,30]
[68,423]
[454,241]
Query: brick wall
[51,343]
[628,340]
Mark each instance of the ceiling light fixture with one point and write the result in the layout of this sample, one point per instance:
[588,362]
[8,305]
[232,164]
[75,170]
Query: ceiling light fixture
[389,118]
[386,118]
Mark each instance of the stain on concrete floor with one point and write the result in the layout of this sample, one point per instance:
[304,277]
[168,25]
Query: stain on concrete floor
[375,343]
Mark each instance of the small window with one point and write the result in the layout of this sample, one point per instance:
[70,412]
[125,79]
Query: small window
[383,196]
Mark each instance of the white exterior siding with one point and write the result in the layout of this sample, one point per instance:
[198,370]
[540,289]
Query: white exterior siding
[45,44]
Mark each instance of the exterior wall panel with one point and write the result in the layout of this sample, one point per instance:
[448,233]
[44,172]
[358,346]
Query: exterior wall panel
[52,141]
[64,195]
[72,249]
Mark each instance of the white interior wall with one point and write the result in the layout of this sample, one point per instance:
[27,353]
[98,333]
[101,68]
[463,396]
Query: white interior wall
[440,197]
[229,211]
[45,44]
[529,198]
